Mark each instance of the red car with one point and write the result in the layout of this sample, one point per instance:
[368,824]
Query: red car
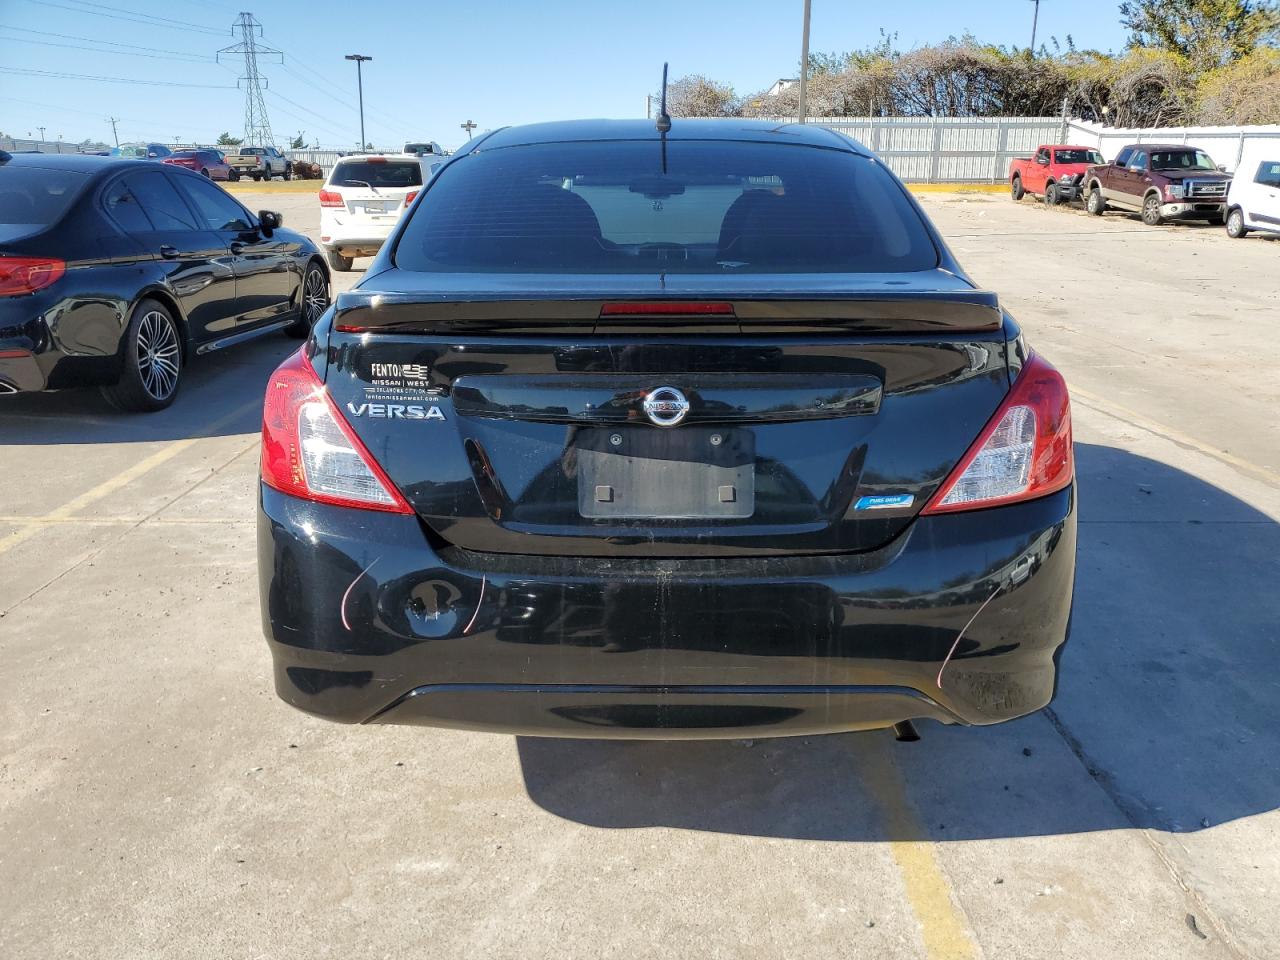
[206,162]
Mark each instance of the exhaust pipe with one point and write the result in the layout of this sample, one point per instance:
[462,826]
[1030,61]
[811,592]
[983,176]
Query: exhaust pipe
[904,731]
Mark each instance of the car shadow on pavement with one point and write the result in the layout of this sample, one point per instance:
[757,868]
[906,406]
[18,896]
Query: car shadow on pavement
[221,395]
[1167,717]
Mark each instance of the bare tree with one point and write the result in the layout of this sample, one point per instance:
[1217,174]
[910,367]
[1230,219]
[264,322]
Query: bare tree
[696,96]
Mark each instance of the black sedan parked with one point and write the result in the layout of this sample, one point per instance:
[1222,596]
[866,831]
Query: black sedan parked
[695,434]
[115,274]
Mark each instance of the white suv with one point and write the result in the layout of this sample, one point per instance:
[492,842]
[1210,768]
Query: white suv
[1253,202]
[362,200]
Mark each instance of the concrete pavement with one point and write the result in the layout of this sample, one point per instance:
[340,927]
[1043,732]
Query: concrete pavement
[156,800]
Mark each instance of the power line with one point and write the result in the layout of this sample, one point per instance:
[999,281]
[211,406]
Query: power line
[187,28]
[109,43]
[185,24]
[83,76]
[341,94]
[127,53]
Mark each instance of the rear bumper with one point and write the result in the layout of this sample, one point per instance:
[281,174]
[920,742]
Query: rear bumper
[1193,210]
[960,619]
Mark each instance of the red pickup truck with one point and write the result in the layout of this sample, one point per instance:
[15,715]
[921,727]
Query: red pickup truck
[1056,172]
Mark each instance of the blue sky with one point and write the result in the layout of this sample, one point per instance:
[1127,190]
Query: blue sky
[440,64]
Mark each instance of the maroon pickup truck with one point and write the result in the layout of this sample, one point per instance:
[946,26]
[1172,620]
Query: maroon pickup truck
[1161,182]
[1055,172]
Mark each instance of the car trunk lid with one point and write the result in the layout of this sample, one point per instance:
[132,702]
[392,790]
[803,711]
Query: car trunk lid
[805,420]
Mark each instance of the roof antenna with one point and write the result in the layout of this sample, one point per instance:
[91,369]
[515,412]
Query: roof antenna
[664,119]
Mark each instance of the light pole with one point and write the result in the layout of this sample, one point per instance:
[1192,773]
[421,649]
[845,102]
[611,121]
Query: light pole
[360,59]
[41,129]
[468,126]
[1035,19]
[804,64]
[114,136]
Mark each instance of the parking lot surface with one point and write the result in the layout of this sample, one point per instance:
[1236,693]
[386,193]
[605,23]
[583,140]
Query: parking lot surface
[156,800]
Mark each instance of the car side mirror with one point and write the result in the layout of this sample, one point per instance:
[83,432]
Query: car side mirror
[1135,169]
[1222,167]
[152,154]
[1043,161]
[269,220]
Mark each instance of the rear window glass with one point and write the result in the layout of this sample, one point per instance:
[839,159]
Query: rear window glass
[1077,156]
[31,196]
[695,207]
[377,173]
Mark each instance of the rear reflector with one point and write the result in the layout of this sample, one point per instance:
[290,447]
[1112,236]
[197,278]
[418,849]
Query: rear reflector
[329,198]
[648,308]
[309,450]
[20,275]
[1024,452]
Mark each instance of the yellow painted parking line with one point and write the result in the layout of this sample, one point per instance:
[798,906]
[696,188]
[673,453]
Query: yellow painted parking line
[943,928]
[33,525]
[1247,467]
[958,187]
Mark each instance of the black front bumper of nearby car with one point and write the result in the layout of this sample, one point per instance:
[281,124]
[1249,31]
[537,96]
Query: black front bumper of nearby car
[960,619]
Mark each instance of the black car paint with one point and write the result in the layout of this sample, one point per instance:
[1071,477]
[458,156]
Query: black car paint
[216,284]
[467,615]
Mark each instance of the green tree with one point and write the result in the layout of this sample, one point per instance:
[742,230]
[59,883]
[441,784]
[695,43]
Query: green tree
[1208,33]
[300,141]
[225,139]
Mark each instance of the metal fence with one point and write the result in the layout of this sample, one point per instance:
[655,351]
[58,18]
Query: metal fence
[1227,145]
[949,149]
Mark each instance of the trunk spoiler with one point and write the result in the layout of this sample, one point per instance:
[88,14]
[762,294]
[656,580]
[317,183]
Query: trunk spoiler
[908,311]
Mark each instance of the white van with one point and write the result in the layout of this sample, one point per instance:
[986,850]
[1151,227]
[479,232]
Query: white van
[1253,202]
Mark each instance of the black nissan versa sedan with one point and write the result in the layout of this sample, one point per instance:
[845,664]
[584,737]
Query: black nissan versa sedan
[115,274]
[695,435]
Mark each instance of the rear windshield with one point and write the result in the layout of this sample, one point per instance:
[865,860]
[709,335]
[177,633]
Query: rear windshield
[695,207]
[1181,160]
[1077,156]
[252,152]
[31,196]
[377,173]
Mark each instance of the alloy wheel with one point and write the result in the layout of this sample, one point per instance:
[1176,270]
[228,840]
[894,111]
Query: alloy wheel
[315,296]
[158,355]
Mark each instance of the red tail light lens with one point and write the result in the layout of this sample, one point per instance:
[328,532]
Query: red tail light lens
[21,275]
[409,197]
[329,198]
[1024,452]
[310,451]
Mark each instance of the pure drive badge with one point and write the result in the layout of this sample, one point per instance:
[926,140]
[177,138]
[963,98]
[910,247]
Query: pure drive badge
[395,411]
[889,501]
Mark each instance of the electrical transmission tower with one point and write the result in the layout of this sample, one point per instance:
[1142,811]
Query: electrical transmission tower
[257,127]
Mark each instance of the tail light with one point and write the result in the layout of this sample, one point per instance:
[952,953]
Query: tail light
[310,451]
[20,275]
[328,198]
[409,197]
[1024,451]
